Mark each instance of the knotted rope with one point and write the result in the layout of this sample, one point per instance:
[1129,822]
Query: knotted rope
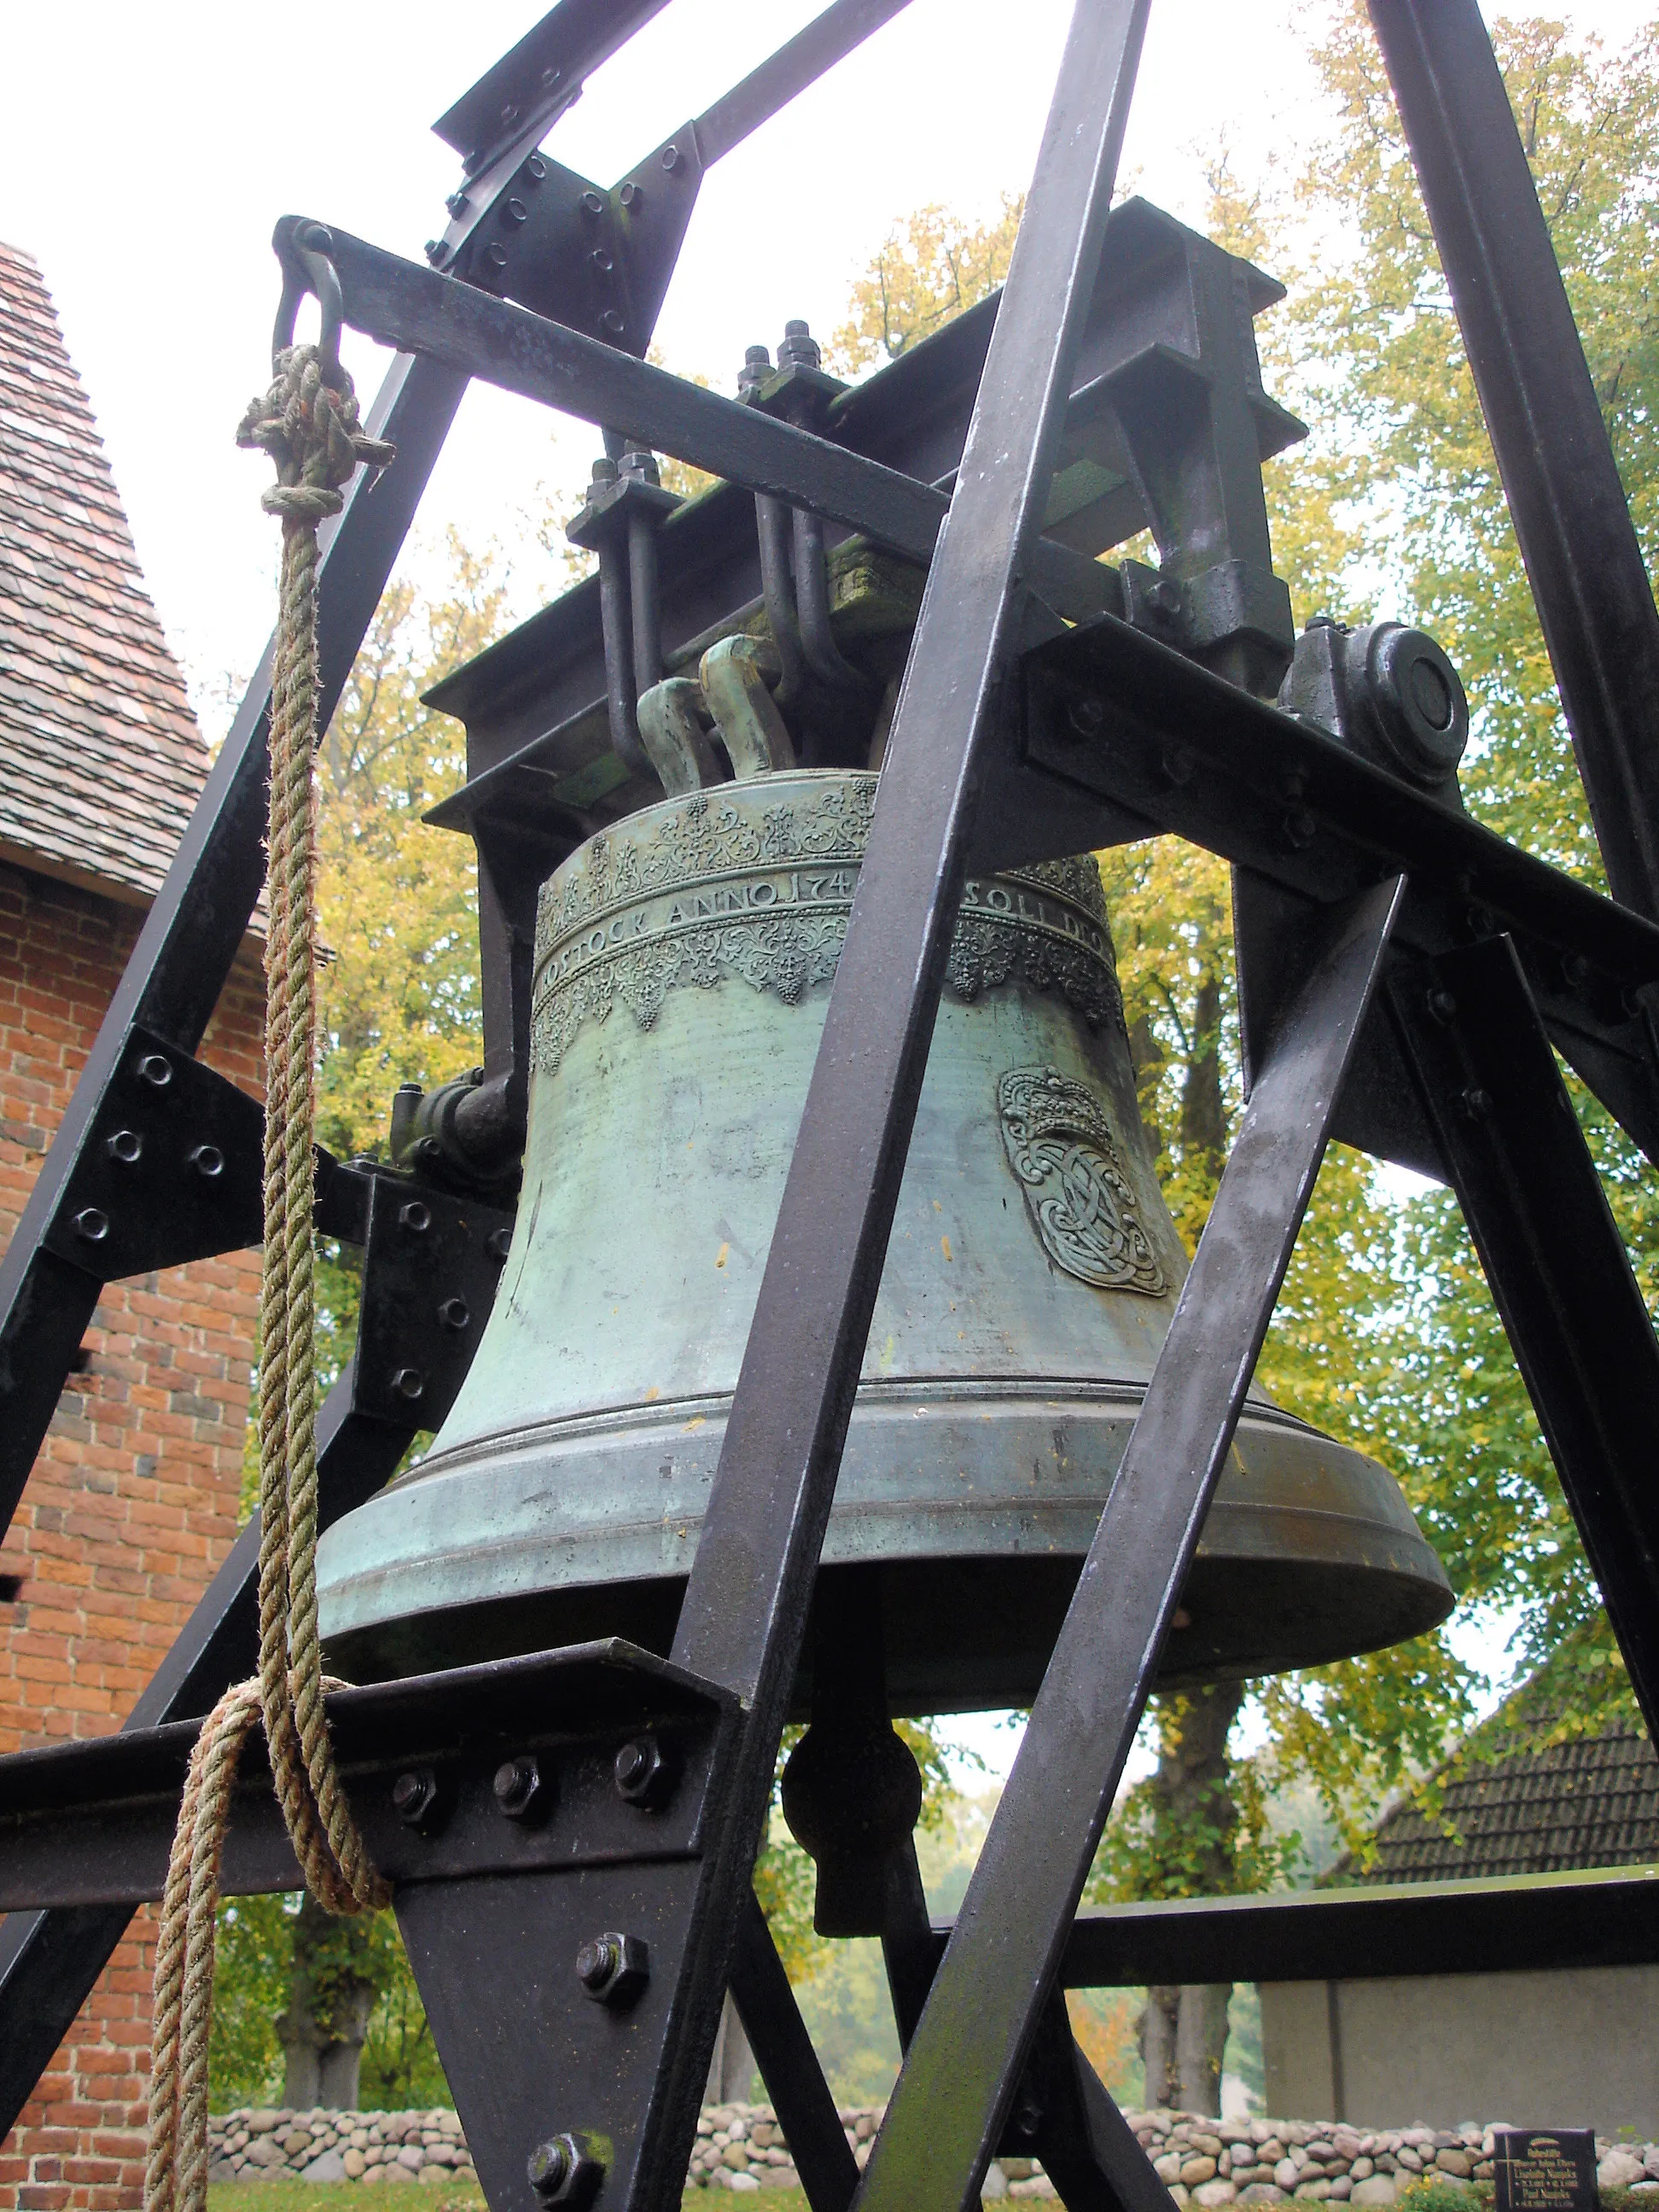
[307,422]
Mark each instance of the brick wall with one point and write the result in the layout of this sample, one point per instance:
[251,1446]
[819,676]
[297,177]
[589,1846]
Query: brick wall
[133,1503]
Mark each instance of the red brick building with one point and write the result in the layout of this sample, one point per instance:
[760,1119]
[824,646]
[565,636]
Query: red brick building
[133,1503]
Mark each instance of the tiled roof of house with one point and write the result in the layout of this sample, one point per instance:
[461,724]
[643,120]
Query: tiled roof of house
[1589,1802]
[100,759]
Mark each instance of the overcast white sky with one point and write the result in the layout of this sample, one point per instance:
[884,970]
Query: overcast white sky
[148,150]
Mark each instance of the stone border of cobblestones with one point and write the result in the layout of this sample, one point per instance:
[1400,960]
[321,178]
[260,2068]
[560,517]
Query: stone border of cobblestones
[1205,2162]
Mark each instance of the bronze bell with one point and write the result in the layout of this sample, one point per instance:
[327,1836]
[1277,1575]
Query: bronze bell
[683,960]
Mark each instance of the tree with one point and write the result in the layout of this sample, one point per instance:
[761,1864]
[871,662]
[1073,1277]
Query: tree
[1385,1332]
[930,268]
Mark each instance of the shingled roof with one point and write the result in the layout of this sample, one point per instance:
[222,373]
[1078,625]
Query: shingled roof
[100,759]
[1592,1802]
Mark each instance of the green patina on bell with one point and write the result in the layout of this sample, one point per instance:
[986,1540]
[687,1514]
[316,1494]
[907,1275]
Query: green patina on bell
[682,965]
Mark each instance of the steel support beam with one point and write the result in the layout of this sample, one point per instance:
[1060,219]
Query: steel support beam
[50,1960]
[1001,1966]
[1583,561]
[1557,1265]
[1529,1924]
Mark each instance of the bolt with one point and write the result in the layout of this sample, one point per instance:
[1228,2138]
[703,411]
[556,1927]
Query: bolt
[1178,763]
[592,203]
[535,169]
[605,470]
[672,159]
[415,1217]
[499,1243]
[643,465]
[415,1799]
[612,322]
[1087,717]
[496,255]
[561,2173]
[434,250]
[519,1789]
[1027,2116]
[1480,919]
[644,1775]
[409,1382]
[1442,1006]
[1164,596]
[209,1162]
[458,202]
[124,1146]
[599,259]
[514,211]
[455,1313]
[1575,971]
[156,1070]
[800,349]
[1476,1103]
[509,116]
[550,78]
[756,367]
[91,1226]
[1300,827]
[632,196]
[613,1968]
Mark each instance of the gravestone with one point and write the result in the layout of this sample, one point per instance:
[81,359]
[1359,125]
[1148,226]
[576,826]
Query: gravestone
[1544,2169]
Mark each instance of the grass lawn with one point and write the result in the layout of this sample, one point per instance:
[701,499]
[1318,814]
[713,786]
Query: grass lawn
[452,2196]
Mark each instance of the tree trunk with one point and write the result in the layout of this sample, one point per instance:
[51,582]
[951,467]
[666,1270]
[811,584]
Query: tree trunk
[1183,2031]
[731,2069]
[323,2030]
[1203,1112]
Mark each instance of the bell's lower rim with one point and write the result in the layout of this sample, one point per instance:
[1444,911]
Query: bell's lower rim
[696,1410]
[975,1503]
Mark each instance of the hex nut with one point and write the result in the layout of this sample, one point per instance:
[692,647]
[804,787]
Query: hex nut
[417,1800]
[125,1145]
[409,1384]
[91,1225]
[415,1217]
[156,1070]
[645,1773]
[613,1968]
[455,1314]
[561,2173]
[207,1161]
[522,1790]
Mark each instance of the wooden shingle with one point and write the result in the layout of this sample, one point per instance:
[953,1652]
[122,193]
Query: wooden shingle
[101,757]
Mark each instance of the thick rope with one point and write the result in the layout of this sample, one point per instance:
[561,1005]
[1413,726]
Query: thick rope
[307,422]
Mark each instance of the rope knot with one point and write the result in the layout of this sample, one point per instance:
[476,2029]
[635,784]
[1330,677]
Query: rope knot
[308,423]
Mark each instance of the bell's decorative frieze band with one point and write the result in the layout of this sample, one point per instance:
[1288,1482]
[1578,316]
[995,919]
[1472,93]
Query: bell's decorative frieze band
[684,963]
[694,894]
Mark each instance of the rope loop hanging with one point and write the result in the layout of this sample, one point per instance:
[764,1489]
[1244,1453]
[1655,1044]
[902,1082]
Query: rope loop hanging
[308,422]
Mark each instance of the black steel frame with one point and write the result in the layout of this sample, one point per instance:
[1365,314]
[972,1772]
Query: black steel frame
[1406,981]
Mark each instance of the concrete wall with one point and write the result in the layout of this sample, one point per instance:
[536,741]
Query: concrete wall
[1578,2049]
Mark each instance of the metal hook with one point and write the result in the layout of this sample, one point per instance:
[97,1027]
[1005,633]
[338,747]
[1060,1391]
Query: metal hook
[734,674]
[303,249]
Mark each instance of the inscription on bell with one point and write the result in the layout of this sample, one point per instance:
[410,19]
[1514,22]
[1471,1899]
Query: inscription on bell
[1060,1145]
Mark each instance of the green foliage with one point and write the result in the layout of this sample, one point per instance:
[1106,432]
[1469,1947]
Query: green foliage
[930,268]
[250,1989]
[254,1986]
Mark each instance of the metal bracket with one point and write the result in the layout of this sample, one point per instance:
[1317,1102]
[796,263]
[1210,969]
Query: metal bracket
[431,1263]
[170,1169]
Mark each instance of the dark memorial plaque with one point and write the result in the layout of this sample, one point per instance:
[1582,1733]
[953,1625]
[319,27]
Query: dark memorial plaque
[1544,2169]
